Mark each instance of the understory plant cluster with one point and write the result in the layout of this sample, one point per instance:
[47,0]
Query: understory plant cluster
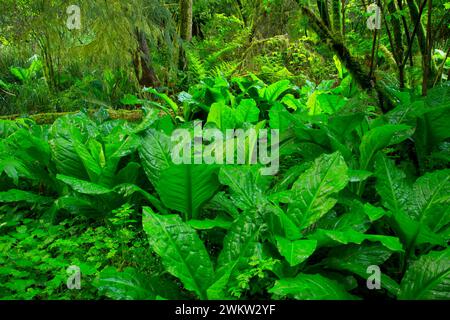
[357,190]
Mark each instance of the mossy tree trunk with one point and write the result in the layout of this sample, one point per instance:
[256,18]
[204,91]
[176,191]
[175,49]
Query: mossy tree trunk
[336,6]
[186,17]
[322,5]
[355,68]
[142,63]
[186,20]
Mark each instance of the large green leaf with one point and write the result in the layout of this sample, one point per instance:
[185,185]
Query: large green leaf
[222,116]
[391,184]
[295,251]
[413,232]
[247,111]
[431,201]
[14,169]
[379,138]
[15,195]
[428,277]
[275,90]
[239,246]
[356,219]
[78,206]
[247,185]
[333,237]
[357,258]
[207,224]
[65,133]
[82,186]
[19,73]
[310,287]
[240,240]
[313,191]
[125,285]
[66,158]
[186,187]
[154,152]
[280,224]
[181,250]
[280,118]
[93,168]
[417,210]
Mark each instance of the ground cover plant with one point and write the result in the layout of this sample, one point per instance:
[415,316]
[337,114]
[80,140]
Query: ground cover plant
[94,203]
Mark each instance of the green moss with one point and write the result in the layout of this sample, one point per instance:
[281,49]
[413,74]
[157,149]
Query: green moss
[49,118]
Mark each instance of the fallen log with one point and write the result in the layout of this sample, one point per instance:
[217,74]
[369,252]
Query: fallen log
[49,118]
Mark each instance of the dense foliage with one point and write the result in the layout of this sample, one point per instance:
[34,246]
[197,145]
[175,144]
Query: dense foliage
[363,152]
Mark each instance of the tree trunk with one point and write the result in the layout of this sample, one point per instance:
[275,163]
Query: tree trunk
[415,17]
[322,5]
[427,56]
[421,36]
[186,20]
[336,16]
[185,30]
[142,63]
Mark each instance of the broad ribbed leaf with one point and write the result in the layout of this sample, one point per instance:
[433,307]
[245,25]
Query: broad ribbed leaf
[427,278]
[425,201]
[431,201]
[207,224]
[413,232]
[14,168]
[379,138]
[186,187]
[181,250]
[357,259]
[92,167]
[247,111]
[326,238]
[358,175]
[239,246]
[66,158]
[280,118]
[66,132]
[123,147]
[275,90]
[374,213]
[280,224]
[246,184]
[391,184]
[77,205]
[125,285]
[82,186]
[221,202]
[314,189]
[295,251]
[222,116]
[354,220]
[240,241]
[310,287]
[155,154]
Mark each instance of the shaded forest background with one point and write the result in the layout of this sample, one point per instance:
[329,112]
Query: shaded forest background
[123,46]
